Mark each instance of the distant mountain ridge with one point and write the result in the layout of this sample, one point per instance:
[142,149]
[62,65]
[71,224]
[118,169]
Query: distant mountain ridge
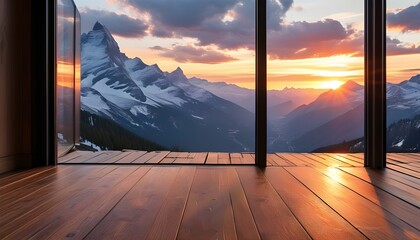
[245,97]
[337,116]
[191,114]
[161,107]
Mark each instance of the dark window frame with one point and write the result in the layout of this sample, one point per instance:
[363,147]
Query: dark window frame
[43,91]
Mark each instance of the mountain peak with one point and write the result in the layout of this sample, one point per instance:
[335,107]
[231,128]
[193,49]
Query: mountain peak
[178,70]
[415,79]
[351,86]
[98,26]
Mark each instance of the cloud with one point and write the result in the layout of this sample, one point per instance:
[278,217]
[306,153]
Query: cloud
[120,25]
[407,19]
[192,54]
[314,39]
[410,70]
[396,47]
[205,20]
[185,13]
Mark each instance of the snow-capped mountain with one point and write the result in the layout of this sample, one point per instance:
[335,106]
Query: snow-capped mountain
[159,106]
[191,114]
[337,116]
[403,99]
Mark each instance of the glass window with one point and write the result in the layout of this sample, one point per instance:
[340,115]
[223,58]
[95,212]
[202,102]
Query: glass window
[65,75]
[403,76]
[315,76]
[174,75]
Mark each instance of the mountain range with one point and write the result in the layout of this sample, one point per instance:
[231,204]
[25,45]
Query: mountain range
[191,114]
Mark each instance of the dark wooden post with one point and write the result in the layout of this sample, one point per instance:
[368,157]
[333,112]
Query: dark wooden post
[375,83]
[261,84]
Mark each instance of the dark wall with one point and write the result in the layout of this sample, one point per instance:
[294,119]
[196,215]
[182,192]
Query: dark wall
[15,84]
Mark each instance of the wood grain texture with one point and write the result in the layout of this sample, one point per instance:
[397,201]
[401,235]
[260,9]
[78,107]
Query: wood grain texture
[307,198]
[208,214]
[168,219]
[272,217]
[368,218]
[132,217]
[322,222]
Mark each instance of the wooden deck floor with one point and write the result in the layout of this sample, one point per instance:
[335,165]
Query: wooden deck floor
[304,196]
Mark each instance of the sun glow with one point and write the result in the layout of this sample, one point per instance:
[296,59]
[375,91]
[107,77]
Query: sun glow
[334,84]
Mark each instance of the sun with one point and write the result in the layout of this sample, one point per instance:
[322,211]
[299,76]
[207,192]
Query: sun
[333,84]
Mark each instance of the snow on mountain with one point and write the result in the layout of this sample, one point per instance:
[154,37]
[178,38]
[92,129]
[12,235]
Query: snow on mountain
[403,99]
[159,106]
[337,116]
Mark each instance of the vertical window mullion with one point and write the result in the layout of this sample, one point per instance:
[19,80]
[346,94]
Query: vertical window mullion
[261,84]
[375,83]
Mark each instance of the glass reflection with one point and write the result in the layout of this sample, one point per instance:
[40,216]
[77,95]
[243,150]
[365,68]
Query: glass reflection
[65,75]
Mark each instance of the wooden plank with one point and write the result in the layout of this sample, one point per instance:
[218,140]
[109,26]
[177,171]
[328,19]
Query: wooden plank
[278,160]
[404,170]
[401,158]
[273,218]
[360,157]
[370,219]
[16,213]
[173,154]
[270,161]
[32,185]
[22,212]
[248,158]
[131,157]
[199,158]
[413,155]
[68,157]
[212,158]
[77,224]
[223,158]
[41,226]
[167,160]
[328,161]
[310,160]
[345,159]
[14,186]
[235,158]
[158,157]
[333,161]
[389,185]
[102,158]
[292,158]
[186,155]
[408,166]
[244,221]
[415,164]
[84,157]
[318,219]
[169,217]
[133,216]
[144,158]
[22,176]
[116,158]
[315,159]
[184,159]
[402,178]
[403,210]
[208,214]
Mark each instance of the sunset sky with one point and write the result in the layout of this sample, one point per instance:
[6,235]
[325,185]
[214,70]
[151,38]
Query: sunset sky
[310,43]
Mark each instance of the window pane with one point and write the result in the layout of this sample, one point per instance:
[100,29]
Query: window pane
[315,76]
[173,75]
[65,75]
[403,79]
